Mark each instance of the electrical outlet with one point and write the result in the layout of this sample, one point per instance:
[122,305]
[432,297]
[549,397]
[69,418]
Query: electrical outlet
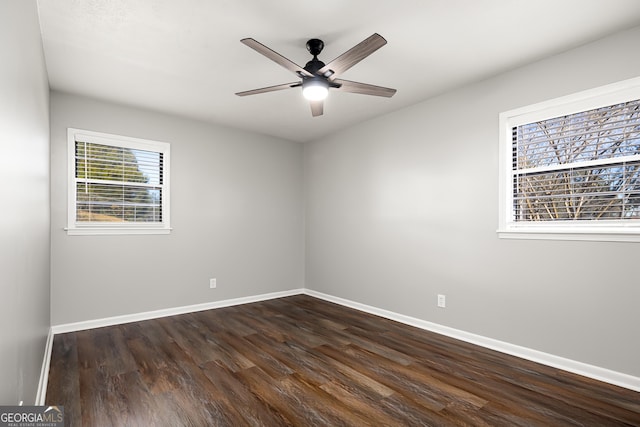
[442,301]
[212,283]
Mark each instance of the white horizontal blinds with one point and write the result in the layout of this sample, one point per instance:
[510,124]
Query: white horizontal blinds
[582,166]
[117,184]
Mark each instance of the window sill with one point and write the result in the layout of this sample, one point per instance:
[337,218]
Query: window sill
[102,231]
[609,234]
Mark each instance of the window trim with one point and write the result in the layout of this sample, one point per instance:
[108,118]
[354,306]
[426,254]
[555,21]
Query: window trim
[614,231]
[79,228]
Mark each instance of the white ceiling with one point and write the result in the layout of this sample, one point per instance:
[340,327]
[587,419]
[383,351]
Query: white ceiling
[185,57]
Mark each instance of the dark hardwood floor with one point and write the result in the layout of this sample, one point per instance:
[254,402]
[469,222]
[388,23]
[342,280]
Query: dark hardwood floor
[301,361]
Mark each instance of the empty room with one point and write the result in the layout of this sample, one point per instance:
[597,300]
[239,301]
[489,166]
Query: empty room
[228,213]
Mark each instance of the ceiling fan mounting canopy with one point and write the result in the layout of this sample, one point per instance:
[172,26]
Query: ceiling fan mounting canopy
[317,77]
[315,46]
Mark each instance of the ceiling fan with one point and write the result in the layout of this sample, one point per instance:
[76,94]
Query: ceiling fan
[318,77]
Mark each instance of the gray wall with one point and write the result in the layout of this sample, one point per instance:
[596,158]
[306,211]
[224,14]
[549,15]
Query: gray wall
[24,191]
[236,211]
[405,207]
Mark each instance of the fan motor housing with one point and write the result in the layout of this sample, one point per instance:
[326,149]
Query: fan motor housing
[314,65]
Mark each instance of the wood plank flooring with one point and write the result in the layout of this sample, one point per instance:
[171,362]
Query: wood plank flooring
[301,361]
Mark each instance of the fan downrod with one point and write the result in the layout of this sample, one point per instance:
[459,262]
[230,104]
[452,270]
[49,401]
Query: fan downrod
[314,46]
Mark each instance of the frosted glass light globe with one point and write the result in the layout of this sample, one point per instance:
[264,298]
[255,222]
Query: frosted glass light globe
[315,90]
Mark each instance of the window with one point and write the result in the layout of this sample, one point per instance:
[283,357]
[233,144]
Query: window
[117,185]
[570,167]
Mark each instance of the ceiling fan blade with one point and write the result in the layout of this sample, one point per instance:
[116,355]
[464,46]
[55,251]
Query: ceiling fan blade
[363,88]
[352,56]
[276,57]
[269,89]
[317,108]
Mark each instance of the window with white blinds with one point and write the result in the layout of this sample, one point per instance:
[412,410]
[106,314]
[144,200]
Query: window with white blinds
[573,170]
[119,185]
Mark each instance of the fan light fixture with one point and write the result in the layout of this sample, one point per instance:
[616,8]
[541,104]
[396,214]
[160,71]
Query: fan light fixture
[315,89]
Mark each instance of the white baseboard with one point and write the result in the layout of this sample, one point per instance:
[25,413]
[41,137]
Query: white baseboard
[147,315]
[584,369]
[44,371]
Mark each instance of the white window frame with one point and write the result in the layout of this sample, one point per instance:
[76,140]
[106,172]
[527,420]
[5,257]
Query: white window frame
[628,231]
[99,228]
